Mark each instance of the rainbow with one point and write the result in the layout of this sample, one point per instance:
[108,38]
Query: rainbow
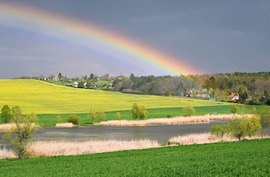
[87,31]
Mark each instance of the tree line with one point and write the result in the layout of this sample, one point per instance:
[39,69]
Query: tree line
[252,88]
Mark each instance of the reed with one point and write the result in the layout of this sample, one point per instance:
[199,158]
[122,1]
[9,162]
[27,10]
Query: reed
[202,138]
[64,125]
[56,148]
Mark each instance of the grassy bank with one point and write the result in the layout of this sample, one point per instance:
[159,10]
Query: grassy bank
[49,119]
[244,158]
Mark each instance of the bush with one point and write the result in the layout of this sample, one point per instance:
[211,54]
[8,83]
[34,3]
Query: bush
[219,130]
[58,119]
[21,137]
[138,111]
[241,127]
[189,111]
[6,114]
[168,93]
[96,114]
[118,115]
[234,109]
[74,119]
[265,119]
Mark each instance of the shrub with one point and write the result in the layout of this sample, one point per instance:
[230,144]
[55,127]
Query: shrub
[219,130]
[118,115]
[189,110]
[58,119]
[254,110]
[241,127]
[234,109]
[21,137]
[74,119]
[265,119]
[6,114]
[96,114]
[168,93]
[138,111]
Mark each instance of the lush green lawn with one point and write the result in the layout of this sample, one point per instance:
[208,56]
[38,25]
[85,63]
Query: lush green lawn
[49,119]
[244,158]
[42,97]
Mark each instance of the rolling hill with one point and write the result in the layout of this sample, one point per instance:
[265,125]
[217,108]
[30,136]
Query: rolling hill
[45,98]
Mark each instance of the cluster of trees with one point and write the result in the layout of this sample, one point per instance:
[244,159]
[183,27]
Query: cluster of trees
[20,137]
[241,127]
[154,85]
[253,88]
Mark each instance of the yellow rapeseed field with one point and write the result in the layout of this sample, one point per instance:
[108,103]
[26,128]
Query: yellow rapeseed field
[45,98]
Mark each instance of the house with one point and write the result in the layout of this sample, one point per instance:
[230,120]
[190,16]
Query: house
[75,84]
[188,92]
[234,96]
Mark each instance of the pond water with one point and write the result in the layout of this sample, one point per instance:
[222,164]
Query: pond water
[161,133]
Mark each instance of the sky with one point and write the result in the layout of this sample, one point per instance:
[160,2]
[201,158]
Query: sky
[209,36]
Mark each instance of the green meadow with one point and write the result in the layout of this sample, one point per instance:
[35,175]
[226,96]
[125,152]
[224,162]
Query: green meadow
[48,120]
[244,158]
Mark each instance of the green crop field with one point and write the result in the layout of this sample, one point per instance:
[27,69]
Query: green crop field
[244,158]
[42,97]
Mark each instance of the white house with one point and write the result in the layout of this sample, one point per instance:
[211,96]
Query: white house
[75,84]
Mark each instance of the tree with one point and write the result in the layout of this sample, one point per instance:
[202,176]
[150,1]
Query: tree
[74,120]
[265,119]
[118,115]
[234,108]
[58,119]
[21,136]
[240,127]
[138,111]
[219,130]
[168,93]
[6,114]
[96,114]
[92,76]
[243,97]
[189,110]
[80,84]
[60,76]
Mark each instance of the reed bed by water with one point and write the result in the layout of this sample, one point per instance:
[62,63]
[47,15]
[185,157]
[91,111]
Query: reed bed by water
[56,148]
[6,154]
[7,127]
[10,126]
[174,120]
[202,138]
[64,125]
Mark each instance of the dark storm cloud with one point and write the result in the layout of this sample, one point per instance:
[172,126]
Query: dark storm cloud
[216,36]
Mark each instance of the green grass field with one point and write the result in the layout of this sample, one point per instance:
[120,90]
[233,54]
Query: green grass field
[42,97]
[244,158]
[48,120]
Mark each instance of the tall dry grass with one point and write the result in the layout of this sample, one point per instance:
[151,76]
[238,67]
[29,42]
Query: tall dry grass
[64,125]
[228,116]
[11,126]
[7,127]
[202,138]
[56,148]
[6,154]
[175,120]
